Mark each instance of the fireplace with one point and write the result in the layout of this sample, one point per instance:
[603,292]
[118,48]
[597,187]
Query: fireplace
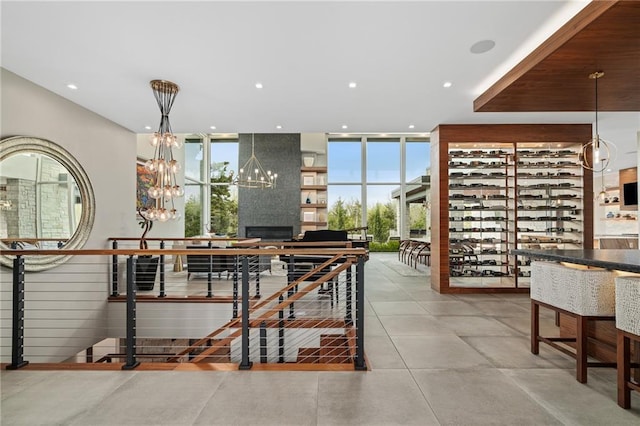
[269,233]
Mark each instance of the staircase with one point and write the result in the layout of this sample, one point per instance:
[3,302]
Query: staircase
[333,342]
[334,349]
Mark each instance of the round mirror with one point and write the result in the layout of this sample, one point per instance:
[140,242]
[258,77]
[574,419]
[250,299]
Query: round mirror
[46,200]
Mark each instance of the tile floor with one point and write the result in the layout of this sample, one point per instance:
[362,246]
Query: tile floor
[435,359]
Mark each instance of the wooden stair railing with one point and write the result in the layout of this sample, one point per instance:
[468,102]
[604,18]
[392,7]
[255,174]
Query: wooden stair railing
[236,322]
[255,322]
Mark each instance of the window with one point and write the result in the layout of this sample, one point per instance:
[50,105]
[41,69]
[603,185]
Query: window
[211,202]
[345,161]
[223,219]
[345,207]
[383,161]
[379,179]
[418,154]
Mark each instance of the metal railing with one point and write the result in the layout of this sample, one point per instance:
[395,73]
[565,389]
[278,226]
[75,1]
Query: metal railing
[278,305]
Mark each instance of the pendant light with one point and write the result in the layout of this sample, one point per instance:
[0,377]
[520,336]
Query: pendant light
[596,154]
[253,175]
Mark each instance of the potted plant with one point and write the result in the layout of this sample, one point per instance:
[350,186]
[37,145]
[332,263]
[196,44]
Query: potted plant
[146,265]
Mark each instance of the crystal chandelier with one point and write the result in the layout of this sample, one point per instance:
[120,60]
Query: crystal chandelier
[253,175]
[600,150]
[164,187]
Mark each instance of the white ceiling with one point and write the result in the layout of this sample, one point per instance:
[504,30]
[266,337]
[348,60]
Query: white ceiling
[304,53]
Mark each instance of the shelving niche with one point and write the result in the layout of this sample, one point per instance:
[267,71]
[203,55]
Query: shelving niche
[313,195]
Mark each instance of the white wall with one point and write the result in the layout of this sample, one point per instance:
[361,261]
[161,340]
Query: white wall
[72,297]
[317,143]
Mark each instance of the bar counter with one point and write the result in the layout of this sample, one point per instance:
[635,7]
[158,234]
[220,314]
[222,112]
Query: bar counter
[602,342]
[616,259]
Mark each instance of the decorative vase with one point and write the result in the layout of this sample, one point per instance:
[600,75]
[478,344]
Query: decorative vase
[308,161]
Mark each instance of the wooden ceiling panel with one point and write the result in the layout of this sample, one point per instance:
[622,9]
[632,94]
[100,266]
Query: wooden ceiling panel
[604,36]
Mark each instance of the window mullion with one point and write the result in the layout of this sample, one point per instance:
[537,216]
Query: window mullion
[206,193]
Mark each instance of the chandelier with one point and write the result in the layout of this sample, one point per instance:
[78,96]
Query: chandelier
[163,166]
[253,175]
[600,150]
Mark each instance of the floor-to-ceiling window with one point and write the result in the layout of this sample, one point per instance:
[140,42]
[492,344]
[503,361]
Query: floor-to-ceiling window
[211,204]
[417,186]
[377,181]
[345,184]
[382,176]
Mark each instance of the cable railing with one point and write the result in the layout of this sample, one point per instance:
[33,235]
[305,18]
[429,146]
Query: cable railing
[281,303]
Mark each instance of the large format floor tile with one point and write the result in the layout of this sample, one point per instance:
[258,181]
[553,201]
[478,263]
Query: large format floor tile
[380,397]
[479,397]
[414,325]
[450,307]
[59,397]
[382,353]
[477,326]
[398,308]
[515,352]
[143,400]
[572,402]
[265,398]
[438,352]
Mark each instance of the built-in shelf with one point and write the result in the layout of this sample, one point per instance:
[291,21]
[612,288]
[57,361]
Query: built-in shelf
[313,169]
[313,188]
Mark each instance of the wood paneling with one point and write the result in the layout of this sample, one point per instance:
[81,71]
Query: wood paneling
[604,36]
[507,133]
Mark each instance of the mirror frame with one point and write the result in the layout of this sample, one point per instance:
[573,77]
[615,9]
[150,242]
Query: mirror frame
[20,144]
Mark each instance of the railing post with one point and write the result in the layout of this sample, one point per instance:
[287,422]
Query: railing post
[291,277]
[114,270]
[280,332]
[263,342]
[348,318]
[258,277]
[162,293]
[131,361]
[17,333]
[235,287]
[245,364]
[360,362]
[209,272]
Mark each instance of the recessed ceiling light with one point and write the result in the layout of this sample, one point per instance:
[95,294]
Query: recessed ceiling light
[608,170]
[344,126]
[72,86]
[447,84]
[411,126]
[147,127]
[482,46]
[258,85]
[352,85]
[278,127]
[212,127]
